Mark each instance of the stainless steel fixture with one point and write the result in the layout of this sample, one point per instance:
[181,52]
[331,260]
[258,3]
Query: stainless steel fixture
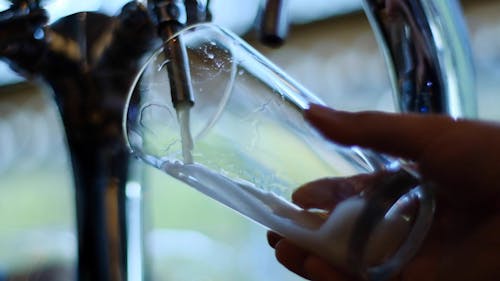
[90,59]
[426,47]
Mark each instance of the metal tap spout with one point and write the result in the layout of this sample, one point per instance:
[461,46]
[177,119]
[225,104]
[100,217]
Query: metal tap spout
[171,16]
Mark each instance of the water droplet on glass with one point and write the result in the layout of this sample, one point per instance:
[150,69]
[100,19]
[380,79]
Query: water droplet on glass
[219,64]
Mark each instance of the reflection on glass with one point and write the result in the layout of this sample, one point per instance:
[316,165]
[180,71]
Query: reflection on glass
[245,144]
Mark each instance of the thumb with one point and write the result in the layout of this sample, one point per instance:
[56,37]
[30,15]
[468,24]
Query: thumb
[401,135]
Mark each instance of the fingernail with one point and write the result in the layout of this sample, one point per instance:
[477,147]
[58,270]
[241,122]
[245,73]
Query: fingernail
[318,112]
[273,238]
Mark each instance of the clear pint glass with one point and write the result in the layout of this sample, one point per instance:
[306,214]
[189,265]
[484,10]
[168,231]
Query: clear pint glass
[244,143]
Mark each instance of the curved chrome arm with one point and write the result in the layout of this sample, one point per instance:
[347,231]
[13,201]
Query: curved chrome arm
[427,54]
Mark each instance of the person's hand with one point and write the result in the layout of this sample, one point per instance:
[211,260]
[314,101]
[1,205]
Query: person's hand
[462,158]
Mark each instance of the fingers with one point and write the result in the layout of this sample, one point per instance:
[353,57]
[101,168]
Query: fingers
[291,256]
[457,155]
[304,264]
[326,193]
[318,269]
[301,262]
[400,135]
[464,163]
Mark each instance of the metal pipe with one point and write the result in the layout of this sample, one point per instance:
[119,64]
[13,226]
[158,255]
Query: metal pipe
[90,60]
[90,88]
[171,17]
[274,24]
[426,48]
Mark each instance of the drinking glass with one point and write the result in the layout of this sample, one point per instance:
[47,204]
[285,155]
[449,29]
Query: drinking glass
[244,142]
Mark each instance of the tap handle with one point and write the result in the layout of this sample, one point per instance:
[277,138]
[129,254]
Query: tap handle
[168,14]
[274,23]
[179,13]
[23,5]
[21,20]
[22,41]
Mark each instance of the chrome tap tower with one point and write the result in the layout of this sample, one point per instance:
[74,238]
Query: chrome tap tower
[90,60]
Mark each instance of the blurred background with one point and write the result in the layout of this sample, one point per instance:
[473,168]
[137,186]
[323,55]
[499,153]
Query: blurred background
[330,49]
